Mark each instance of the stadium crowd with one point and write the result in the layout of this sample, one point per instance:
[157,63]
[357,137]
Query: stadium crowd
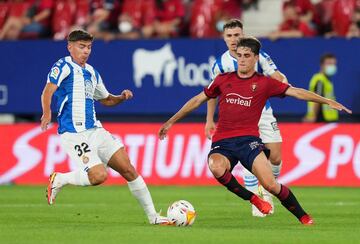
[132,19]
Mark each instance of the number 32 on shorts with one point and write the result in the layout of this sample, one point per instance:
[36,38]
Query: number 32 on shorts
[82,148]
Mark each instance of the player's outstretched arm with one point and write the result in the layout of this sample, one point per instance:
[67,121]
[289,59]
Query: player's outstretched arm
[113,100]
[303,94]
[46,97]
[189,106]
[277,75]
[210,123]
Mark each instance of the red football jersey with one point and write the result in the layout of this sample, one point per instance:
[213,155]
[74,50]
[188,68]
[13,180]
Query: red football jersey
[241,101]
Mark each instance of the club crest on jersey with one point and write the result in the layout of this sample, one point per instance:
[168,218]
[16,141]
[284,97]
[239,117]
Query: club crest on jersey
[253,86]
[85,159]
[89,91]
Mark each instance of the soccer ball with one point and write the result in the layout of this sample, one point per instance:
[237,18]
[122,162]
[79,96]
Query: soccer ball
[181,213]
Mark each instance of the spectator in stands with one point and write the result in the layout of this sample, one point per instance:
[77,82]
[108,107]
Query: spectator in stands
[228,9]
[12,26]
[63,18]
[202,19]
[341,18]
[354,29]
[103,17]
[35,23]
[169,18]
[305,8]
[292,25]
[307,12]
[4,9]
[322,85]
[136,20]
[209,16]
[82,15]
[323,17]
[247,4]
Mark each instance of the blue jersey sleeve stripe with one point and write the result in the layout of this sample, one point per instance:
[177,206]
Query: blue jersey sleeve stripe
[260,70]
[235,65]
[220,65]
[62,104]
[267,105]
[264,54]
[65,117]
[213,69]
[97,76]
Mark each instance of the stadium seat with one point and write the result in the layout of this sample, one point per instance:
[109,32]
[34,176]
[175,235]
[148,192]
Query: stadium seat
[63,18]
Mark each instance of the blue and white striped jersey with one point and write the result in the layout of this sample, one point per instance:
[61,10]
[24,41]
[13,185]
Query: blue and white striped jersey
[227,63]
[78,87]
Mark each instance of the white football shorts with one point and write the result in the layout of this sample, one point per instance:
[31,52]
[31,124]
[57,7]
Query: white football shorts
[268,127]
[91,147]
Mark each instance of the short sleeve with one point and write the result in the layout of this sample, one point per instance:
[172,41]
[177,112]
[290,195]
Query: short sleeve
[212,90]
[276,88]
[100,90]
[266,64]
[59,71]
[215,70]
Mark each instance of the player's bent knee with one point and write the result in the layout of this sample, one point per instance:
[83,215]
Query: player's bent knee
[217,168]
[129,172]
[273,187]
[97,177]
[275,159]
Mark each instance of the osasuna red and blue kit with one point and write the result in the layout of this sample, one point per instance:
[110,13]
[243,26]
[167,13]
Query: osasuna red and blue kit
[241,101]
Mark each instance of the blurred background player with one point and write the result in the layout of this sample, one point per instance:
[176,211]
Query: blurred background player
[76,85]
[322,85]
[242,96]
[269,131]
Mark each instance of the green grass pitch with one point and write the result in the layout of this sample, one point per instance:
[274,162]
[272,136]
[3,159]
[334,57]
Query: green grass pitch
[109,214]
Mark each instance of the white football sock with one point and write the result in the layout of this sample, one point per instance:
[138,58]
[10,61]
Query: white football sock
[276,169]
[140,191]
[251,182]
[78,178]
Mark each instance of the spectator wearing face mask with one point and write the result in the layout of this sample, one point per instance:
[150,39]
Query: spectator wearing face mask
[322,85]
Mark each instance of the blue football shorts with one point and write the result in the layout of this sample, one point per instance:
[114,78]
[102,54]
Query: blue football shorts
[243,148]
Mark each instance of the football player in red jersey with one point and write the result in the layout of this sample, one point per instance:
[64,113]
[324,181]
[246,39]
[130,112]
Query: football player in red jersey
[242,96]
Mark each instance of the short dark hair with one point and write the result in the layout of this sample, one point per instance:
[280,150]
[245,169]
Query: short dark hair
[233,23]
[79,35]
[326,56]
[250,42]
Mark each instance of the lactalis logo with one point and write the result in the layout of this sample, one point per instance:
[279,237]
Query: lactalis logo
[161,64]
[234,98]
